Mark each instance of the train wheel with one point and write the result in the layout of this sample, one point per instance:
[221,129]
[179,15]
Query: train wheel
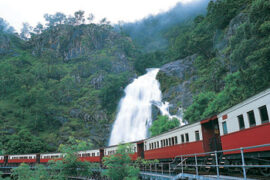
[265,172]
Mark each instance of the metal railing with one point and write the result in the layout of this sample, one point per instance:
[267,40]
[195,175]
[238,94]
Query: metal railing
[159,167]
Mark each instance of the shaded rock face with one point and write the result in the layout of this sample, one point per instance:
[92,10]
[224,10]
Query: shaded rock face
[222,40]
[5,44]
[181,69]
[96,123]
[179,93]
[73,42]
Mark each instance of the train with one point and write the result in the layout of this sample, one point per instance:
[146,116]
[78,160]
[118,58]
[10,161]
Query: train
[243,125]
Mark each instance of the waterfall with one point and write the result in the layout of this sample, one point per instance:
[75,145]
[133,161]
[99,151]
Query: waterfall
[135,109]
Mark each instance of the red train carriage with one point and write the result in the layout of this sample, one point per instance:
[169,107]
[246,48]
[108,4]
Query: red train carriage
[183,140]
[91,155]
[45,158]
[246,124]
[2,159]
[133,150]
[26,158]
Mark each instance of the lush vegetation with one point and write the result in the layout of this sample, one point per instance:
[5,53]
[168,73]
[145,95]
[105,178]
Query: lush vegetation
[63,79]
[119,165]
[163,124]
[244,69]
[231,43]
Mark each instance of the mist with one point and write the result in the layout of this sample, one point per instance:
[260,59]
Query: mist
[149,32]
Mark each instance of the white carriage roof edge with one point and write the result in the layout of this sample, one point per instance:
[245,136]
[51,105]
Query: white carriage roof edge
[123,143]
[175,129]
[92,150]
[50,153]
[22,155]
[245,102]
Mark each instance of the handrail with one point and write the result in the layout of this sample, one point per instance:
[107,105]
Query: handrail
[217,165]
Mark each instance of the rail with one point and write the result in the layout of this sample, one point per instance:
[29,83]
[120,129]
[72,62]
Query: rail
[159,167]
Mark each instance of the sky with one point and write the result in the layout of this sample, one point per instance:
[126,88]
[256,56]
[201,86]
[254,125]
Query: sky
[15,12]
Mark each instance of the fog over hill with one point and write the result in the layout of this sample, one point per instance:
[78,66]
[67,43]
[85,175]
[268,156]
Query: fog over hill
[149,32]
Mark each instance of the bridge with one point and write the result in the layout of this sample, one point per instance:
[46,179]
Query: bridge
[189,167]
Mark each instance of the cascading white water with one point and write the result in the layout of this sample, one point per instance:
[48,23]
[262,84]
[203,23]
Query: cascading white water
[135,111]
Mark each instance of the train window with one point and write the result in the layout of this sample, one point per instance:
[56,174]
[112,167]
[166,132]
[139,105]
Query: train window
[264,114]
[241,122]
[93,154]
[197,135]
[158,144]
[187,138]
[175,140]
[155,145]
[182,138]
[251,118]
[224,125]
[172,141]
[167,142]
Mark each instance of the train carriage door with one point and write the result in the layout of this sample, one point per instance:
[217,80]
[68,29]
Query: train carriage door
[38,158]
[101,155]
[140,148]
[211,134]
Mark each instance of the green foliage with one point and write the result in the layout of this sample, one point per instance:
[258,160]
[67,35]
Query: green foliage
[229,68]
[200,102]
[149,60]
[71,165]
[119,165]
[163,124]
[24,142]
[112,90]
[24,172]
[220,12]
[43,80]
[143,162]
[166,81]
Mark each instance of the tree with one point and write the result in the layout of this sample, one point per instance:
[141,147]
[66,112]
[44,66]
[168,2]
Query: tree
[4,26]
[195,111]
[71,165]
[24,142]
[163,124]
[119,165]
[53,20]
[60,17]
[91,17]
[79,17]
[24,172]
[39,28]
[25,31]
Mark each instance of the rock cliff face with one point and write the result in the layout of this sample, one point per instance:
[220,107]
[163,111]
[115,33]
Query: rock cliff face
[175,79]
